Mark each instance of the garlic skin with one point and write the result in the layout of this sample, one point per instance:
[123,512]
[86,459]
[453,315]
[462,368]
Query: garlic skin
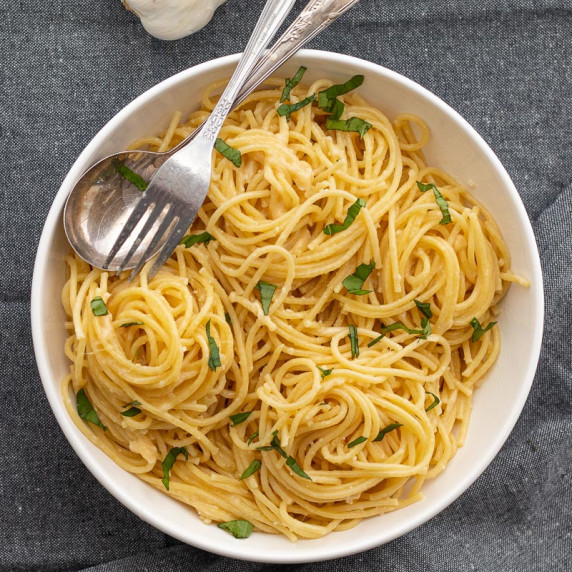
[173,19]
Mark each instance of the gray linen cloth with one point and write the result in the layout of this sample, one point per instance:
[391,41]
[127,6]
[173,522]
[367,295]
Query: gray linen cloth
[68,67]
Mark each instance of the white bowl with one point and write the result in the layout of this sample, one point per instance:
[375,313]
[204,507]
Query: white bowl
[454,146]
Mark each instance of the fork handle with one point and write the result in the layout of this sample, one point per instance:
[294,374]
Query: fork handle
[272,16]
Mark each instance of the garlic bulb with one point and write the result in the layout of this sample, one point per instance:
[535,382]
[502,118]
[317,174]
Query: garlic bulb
[173,19]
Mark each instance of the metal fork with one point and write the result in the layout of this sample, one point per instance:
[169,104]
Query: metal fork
[178,189]
[316,16]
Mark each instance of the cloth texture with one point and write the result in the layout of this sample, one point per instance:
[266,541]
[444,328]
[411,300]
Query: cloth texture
[67,67]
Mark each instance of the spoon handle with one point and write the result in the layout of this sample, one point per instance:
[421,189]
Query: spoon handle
[272,16]
[315,17]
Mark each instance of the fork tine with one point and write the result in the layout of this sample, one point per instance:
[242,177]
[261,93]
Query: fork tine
[156,211]
[135,216]
[174,239]
[164,226]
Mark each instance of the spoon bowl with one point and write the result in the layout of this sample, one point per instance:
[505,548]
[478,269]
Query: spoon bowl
[101,203]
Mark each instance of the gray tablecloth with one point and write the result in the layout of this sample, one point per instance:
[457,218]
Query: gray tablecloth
[67,67]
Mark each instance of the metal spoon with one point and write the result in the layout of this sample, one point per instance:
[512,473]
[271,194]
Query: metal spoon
[102,200]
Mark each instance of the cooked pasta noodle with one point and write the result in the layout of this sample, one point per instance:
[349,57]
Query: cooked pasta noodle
[267,218]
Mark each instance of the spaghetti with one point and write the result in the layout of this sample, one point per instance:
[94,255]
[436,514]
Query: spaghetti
[277,373]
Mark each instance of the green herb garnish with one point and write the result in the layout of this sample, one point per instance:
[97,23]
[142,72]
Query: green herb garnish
[357,441]
[134,410]
[292,83]
[238,528]
[86,411]
[436,401]
[399,326]
[353,211]
[266,292]
[98,306]
[440,200]
[127,324]
[324,372]
[291,462]
[238,418]
[478,330]
[351,125]
[274,446]
[214,355]
[288,109]
[354,282]
[325,97]
[191,239]
[387,430]
[227,318]
[426,331]
[337,108]
[251,469]
[170,461]
[131,176]
[251,438]
[353,336]
[232,154]
[424,308]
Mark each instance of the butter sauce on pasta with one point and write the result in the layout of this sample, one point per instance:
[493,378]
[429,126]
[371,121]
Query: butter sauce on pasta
[329,425]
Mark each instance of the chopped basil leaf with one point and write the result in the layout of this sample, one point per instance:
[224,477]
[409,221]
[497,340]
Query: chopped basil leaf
[274,446]
[131,412]
[353,336]
[478,329]
[238,418]
[357,441]
[98,306]
[227,318]
[134,410]
[351,125]
[288,109]
[238,528]
[424,308]
[386,430]
[324,97]
[170,461]
[439,199]
[354,282]
[251,438]
[374,341]
[232,154]
[86,411]
[214,356]
[426,325]
[291,462]
[127,324]
[131,176]
[292,83]
[266,293]
[436,401]
[353,211]
[424,333]
[337,108]
[191,239]
[251,469]
[324,372]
